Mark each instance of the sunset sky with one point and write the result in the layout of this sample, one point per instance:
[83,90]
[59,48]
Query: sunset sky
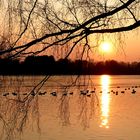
[25,28]
[128,51]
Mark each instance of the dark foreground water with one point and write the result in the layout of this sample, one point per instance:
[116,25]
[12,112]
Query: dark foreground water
[70,108]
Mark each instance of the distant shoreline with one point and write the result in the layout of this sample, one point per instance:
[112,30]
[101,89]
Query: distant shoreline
[47,65]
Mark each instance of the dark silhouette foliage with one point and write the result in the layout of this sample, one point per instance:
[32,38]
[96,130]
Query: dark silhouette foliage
[41,65]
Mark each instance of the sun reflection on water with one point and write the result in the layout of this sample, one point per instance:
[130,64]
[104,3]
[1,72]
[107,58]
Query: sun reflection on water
[105,101]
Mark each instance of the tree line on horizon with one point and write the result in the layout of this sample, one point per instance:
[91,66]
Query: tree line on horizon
[42,65]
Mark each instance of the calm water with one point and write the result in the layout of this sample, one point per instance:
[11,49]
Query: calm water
[111,113]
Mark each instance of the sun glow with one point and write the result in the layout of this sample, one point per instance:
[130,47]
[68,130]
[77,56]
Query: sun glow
[105,47]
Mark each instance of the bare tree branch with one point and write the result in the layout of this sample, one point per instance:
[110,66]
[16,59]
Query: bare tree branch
[57,28]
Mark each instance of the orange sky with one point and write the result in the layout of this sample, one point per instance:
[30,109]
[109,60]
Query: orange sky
[128,53]
[132,47]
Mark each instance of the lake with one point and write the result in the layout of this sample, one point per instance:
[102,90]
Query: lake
[102,107]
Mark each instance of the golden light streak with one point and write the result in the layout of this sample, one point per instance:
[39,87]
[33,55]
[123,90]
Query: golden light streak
[105,101]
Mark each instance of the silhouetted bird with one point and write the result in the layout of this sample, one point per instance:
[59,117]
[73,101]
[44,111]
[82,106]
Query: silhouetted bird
[84,92]
[71,93]
[13,93]
[133,91]
[64,94]
[5,94]
[114,92]
[93,91]
[88,95]
[53,93]
[42,93]
[122,91]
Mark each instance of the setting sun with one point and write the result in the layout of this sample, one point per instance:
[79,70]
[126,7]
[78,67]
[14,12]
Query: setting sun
[105,46]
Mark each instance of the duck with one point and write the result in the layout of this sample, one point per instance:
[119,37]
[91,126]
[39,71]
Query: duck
[53,93]
[42,93]
[84,92]
[71,93]
[93,91]
[88,95]
[112,90]
[133,91]
[5,94]
[64,94]
[13,93]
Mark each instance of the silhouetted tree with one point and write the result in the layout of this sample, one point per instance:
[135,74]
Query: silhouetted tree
[34,26]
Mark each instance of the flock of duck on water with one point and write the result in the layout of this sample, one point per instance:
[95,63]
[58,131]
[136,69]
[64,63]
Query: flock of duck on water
[86,92]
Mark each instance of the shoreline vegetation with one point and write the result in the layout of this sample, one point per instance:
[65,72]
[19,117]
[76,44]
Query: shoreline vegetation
[47,65]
